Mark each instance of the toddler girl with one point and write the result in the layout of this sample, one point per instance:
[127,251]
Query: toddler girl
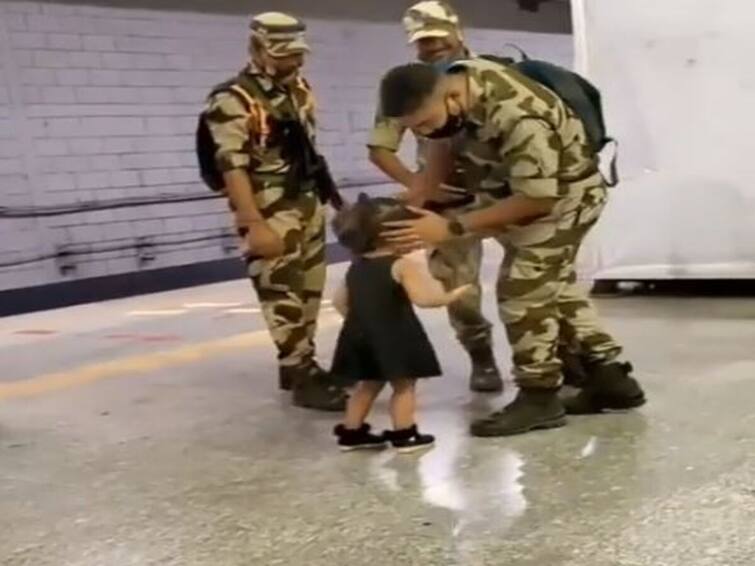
[382,340]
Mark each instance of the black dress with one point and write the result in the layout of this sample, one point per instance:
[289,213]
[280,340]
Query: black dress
[382,338]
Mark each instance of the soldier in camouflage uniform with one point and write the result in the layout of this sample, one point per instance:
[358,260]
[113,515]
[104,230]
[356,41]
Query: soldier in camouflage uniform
[283,230]
[433,27]
[522,133]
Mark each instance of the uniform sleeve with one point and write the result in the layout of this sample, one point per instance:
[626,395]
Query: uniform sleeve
[228,121]
[531,153]
[387,133]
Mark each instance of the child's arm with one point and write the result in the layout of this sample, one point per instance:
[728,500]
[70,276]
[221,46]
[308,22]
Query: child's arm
[341,300]
[423,289]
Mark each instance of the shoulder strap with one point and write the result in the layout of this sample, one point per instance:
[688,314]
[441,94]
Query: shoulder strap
[522,54]
[573,91]
[243,94]
[613,179]
[247,86]
[559,80]
[231,87]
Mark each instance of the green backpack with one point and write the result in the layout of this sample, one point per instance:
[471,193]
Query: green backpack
[578,93]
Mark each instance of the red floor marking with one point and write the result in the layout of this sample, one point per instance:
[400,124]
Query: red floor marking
[36,332]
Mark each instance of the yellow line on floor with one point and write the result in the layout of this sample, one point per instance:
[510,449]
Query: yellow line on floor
[132,366]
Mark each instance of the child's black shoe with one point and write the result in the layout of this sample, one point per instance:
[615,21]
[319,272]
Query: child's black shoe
[358,439]
[409,440]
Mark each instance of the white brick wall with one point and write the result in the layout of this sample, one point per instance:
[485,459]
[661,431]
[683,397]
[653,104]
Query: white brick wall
[101,103]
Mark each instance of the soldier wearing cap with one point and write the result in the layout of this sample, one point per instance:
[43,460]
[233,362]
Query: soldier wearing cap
[283,226]
[523,134]
[434,28]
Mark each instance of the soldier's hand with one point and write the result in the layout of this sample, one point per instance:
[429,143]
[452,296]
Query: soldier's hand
[262,241]
[428,229]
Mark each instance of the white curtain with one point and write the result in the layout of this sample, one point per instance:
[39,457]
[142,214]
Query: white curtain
[678,84]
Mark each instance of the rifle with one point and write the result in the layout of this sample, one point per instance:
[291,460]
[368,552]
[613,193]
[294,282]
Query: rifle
[309,165]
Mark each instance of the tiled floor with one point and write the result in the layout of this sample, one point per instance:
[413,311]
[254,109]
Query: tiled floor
[149,431]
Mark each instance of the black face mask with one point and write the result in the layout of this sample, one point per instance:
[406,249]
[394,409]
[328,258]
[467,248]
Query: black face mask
[453,125]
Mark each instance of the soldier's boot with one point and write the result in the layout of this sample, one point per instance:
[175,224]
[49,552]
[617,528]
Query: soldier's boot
[315,389]
[533,409]
[485,377]
[573,367]
[287,375]
[608,387]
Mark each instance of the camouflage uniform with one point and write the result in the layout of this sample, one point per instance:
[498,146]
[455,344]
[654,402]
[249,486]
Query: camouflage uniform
[458,262]
[521,133]
[289,287]
[454,263]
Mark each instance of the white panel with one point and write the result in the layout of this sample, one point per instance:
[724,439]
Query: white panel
[678,88]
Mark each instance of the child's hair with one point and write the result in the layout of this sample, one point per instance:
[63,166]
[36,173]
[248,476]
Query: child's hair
[358,226]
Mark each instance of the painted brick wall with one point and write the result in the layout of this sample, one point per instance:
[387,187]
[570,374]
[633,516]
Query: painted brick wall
[101,103]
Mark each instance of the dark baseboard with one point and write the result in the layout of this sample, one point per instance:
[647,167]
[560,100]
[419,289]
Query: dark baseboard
[95,289]
[676,287]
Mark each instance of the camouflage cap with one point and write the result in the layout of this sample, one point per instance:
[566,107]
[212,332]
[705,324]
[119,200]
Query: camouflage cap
[281,35]
[431,18]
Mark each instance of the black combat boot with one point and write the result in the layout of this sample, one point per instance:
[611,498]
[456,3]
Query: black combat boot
[574,367]
[287,374]
[607,387]
[315,389]
[532,409]
[485,377]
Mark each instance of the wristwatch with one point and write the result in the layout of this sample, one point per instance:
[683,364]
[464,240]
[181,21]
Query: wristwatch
[456,228]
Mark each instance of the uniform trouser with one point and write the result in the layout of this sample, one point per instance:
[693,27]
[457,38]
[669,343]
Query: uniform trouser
[540,301]
[456,263]
[290,287]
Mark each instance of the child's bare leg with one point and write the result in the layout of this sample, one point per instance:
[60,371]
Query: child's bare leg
[403,403]
[360,403]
